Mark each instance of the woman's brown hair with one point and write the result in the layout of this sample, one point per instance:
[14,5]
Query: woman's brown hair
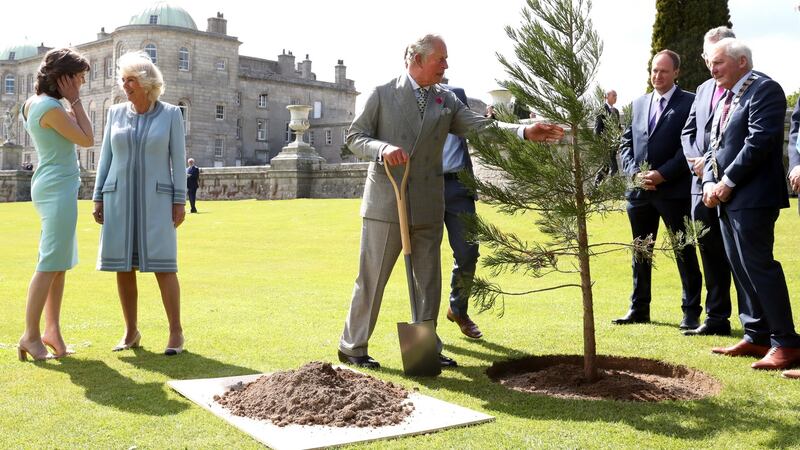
[57,63]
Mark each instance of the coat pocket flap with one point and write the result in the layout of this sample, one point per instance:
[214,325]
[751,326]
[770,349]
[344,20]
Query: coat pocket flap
[164,188]
[109,186]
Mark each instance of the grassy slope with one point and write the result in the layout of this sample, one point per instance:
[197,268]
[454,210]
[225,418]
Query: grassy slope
[266,286]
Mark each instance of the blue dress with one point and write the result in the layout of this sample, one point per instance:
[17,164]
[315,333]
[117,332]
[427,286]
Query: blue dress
[54,189]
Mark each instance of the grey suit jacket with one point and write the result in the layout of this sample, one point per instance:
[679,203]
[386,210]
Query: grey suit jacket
[391,119]
[694,137]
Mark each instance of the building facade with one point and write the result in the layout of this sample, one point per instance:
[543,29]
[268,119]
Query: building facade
[234,106]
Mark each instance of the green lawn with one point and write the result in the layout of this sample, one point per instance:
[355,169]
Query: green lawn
[266,286]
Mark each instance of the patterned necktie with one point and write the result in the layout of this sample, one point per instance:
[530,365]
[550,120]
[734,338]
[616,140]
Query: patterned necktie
[422,99]
[656,114]
[725,108]
[715,98]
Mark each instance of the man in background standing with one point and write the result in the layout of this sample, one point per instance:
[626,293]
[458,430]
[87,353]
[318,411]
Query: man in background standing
[609,114]
[695,140]
[459,200]
[192,183]
[654,140]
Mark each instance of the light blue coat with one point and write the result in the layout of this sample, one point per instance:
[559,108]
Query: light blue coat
[139,178]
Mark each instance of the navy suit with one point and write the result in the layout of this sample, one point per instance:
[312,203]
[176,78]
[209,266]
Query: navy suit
[192,183]
[695,140]
[599,128]
[794,156]
[662,150]
[751,155]
[459,200]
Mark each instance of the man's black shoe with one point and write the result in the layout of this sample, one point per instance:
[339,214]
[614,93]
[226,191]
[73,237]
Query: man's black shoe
[447,362]
[689,322]
[633,317]
[709,330]
[359,361]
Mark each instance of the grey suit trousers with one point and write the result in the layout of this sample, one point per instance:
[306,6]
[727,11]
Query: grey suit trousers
[380,248]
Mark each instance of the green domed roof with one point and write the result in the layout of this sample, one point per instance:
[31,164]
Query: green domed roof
[162,13]
[19,52]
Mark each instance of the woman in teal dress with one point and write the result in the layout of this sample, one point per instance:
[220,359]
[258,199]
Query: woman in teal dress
[140,193]
[54,191]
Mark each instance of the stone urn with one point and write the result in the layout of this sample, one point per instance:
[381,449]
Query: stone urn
[299,123]
[501,97]
[298,153]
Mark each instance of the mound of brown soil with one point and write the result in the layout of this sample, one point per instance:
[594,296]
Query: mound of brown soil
[318,394]
[627,379]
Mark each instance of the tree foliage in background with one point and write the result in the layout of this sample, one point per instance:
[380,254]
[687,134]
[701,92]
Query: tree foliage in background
[791,99]
[680,26]
[553,186]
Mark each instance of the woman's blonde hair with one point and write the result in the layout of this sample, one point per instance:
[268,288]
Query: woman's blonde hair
[139,65]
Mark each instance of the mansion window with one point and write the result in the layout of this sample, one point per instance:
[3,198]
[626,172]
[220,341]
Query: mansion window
[185,115]
[151,51]
[220,64]
[29,84]
[261,130]
[219,147]
[154,19]
[317,110]
[328,137]
[10,87]
[183,58]
[262,101]
[239,129]
[109,67]
[288,133]
[238,98]
[95,69]
[310,138]
[12,56]
[220,114]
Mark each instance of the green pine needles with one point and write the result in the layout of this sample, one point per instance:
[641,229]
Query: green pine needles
[557,55]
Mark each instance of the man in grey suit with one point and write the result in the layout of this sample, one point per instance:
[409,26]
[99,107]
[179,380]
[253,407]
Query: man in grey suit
[407,121]
[695,140]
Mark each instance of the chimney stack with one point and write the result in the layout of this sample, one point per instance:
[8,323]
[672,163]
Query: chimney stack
[218,24]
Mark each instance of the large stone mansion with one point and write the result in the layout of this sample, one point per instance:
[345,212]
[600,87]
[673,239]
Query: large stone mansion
[234,106]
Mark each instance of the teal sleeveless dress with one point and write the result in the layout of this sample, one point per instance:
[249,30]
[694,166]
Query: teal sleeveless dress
[54,189]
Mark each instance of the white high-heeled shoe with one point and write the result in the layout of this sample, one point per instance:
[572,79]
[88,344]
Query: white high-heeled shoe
[128,345]
[172,351]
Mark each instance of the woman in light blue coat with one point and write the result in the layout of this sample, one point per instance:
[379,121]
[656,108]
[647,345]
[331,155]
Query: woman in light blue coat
[140,193]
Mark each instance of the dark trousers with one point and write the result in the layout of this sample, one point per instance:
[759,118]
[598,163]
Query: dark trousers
[644,215]
[609,169]
[716,269]
[764,308]
[458,200]
[192,193]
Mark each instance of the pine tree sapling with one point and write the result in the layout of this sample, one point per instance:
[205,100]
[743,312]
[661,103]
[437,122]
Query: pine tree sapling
[557,53]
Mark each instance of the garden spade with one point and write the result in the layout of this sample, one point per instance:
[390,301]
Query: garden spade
[417,339]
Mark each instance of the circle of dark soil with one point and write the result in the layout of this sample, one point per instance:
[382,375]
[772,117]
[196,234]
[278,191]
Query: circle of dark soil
[319,394]
[625,379]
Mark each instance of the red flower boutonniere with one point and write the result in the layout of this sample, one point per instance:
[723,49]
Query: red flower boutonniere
[439,100]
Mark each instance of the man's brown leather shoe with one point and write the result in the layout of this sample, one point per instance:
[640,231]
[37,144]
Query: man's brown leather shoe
[791,374]
[778,358]
[742,348]
[468,327]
